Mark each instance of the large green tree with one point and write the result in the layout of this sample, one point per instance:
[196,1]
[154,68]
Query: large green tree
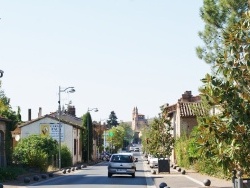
[158,139]
[87,137]
[115,138]
[219,16]
[224,135]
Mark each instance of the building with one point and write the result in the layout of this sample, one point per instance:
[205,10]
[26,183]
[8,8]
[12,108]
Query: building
[183,114]
[3,125]
[139,122]
[48,125]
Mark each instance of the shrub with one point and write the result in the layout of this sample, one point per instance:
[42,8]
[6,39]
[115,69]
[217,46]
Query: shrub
[66,158]
[181,150]
[10,173]
[34,151]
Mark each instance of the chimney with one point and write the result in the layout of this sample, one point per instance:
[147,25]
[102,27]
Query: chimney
[29,114]
[186,97]
[40,112]
[71,110]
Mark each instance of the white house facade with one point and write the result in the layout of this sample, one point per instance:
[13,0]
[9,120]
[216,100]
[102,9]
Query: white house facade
[48,125]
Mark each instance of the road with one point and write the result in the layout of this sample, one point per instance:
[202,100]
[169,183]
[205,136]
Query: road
[95,177]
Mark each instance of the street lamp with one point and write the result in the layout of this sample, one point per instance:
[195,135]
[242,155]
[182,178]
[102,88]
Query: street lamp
[70,90]
[1,73]
[95,110]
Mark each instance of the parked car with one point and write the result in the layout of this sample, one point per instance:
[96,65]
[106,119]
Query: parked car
[153,162]
[121,163]
[149,157]
[105,156]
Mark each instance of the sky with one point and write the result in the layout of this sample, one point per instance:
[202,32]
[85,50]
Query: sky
[117,54]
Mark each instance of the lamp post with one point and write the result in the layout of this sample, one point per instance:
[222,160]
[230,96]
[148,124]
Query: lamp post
[1,73]
[70,90]
[95,110]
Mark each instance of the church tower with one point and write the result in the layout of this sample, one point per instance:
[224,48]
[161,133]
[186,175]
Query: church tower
[134,119]
[138,123]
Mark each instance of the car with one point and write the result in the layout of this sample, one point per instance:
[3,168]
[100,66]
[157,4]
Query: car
[121,163]
[153,162]
[132,154]
[136,149]
[131,148]
[149,157]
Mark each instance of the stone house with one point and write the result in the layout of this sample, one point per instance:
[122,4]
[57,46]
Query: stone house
[182,114]
[71,126]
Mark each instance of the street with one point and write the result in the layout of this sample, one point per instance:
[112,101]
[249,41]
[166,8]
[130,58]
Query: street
[96,176]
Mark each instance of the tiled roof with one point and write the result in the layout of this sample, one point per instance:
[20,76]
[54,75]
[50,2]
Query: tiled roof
[65,118]
[191,109]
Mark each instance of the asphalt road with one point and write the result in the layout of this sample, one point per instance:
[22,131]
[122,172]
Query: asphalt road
[95,177]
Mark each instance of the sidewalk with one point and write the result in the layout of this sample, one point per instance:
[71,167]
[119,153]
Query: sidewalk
[176,179]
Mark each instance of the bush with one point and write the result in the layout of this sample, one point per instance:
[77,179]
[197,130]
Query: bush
[181,151]
[38,159]
[34,151]
[10,173]
[66,158]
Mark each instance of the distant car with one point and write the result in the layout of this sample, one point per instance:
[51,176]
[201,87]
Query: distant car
[105,156]
[131,148]
[136,149]
[121,163]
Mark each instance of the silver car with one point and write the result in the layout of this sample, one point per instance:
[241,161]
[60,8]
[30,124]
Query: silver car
[121,164]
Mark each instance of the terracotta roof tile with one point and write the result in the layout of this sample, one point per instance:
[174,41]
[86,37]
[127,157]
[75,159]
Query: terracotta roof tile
[191,109]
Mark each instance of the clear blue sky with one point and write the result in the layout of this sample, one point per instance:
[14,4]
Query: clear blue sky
[118,54]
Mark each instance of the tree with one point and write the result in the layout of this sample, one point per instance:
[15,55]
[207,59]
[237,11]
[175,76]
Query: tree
[112,121]
[224,135]
[7,112]
[115,138]
[128,136]
[35,151]
[159,141]
[219,16]
[87,137]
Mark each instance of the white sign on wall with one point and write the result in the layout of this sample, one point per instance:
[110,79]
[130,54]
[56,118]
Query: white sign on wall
[52,129]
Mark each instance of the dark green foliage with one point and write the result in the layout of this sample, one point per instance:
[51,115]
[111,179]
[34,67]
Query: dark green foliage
[219,16]
[10,173]
[112,121]
[66,157]
[7,112]
[223,135]
[35,151]
[87,137]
